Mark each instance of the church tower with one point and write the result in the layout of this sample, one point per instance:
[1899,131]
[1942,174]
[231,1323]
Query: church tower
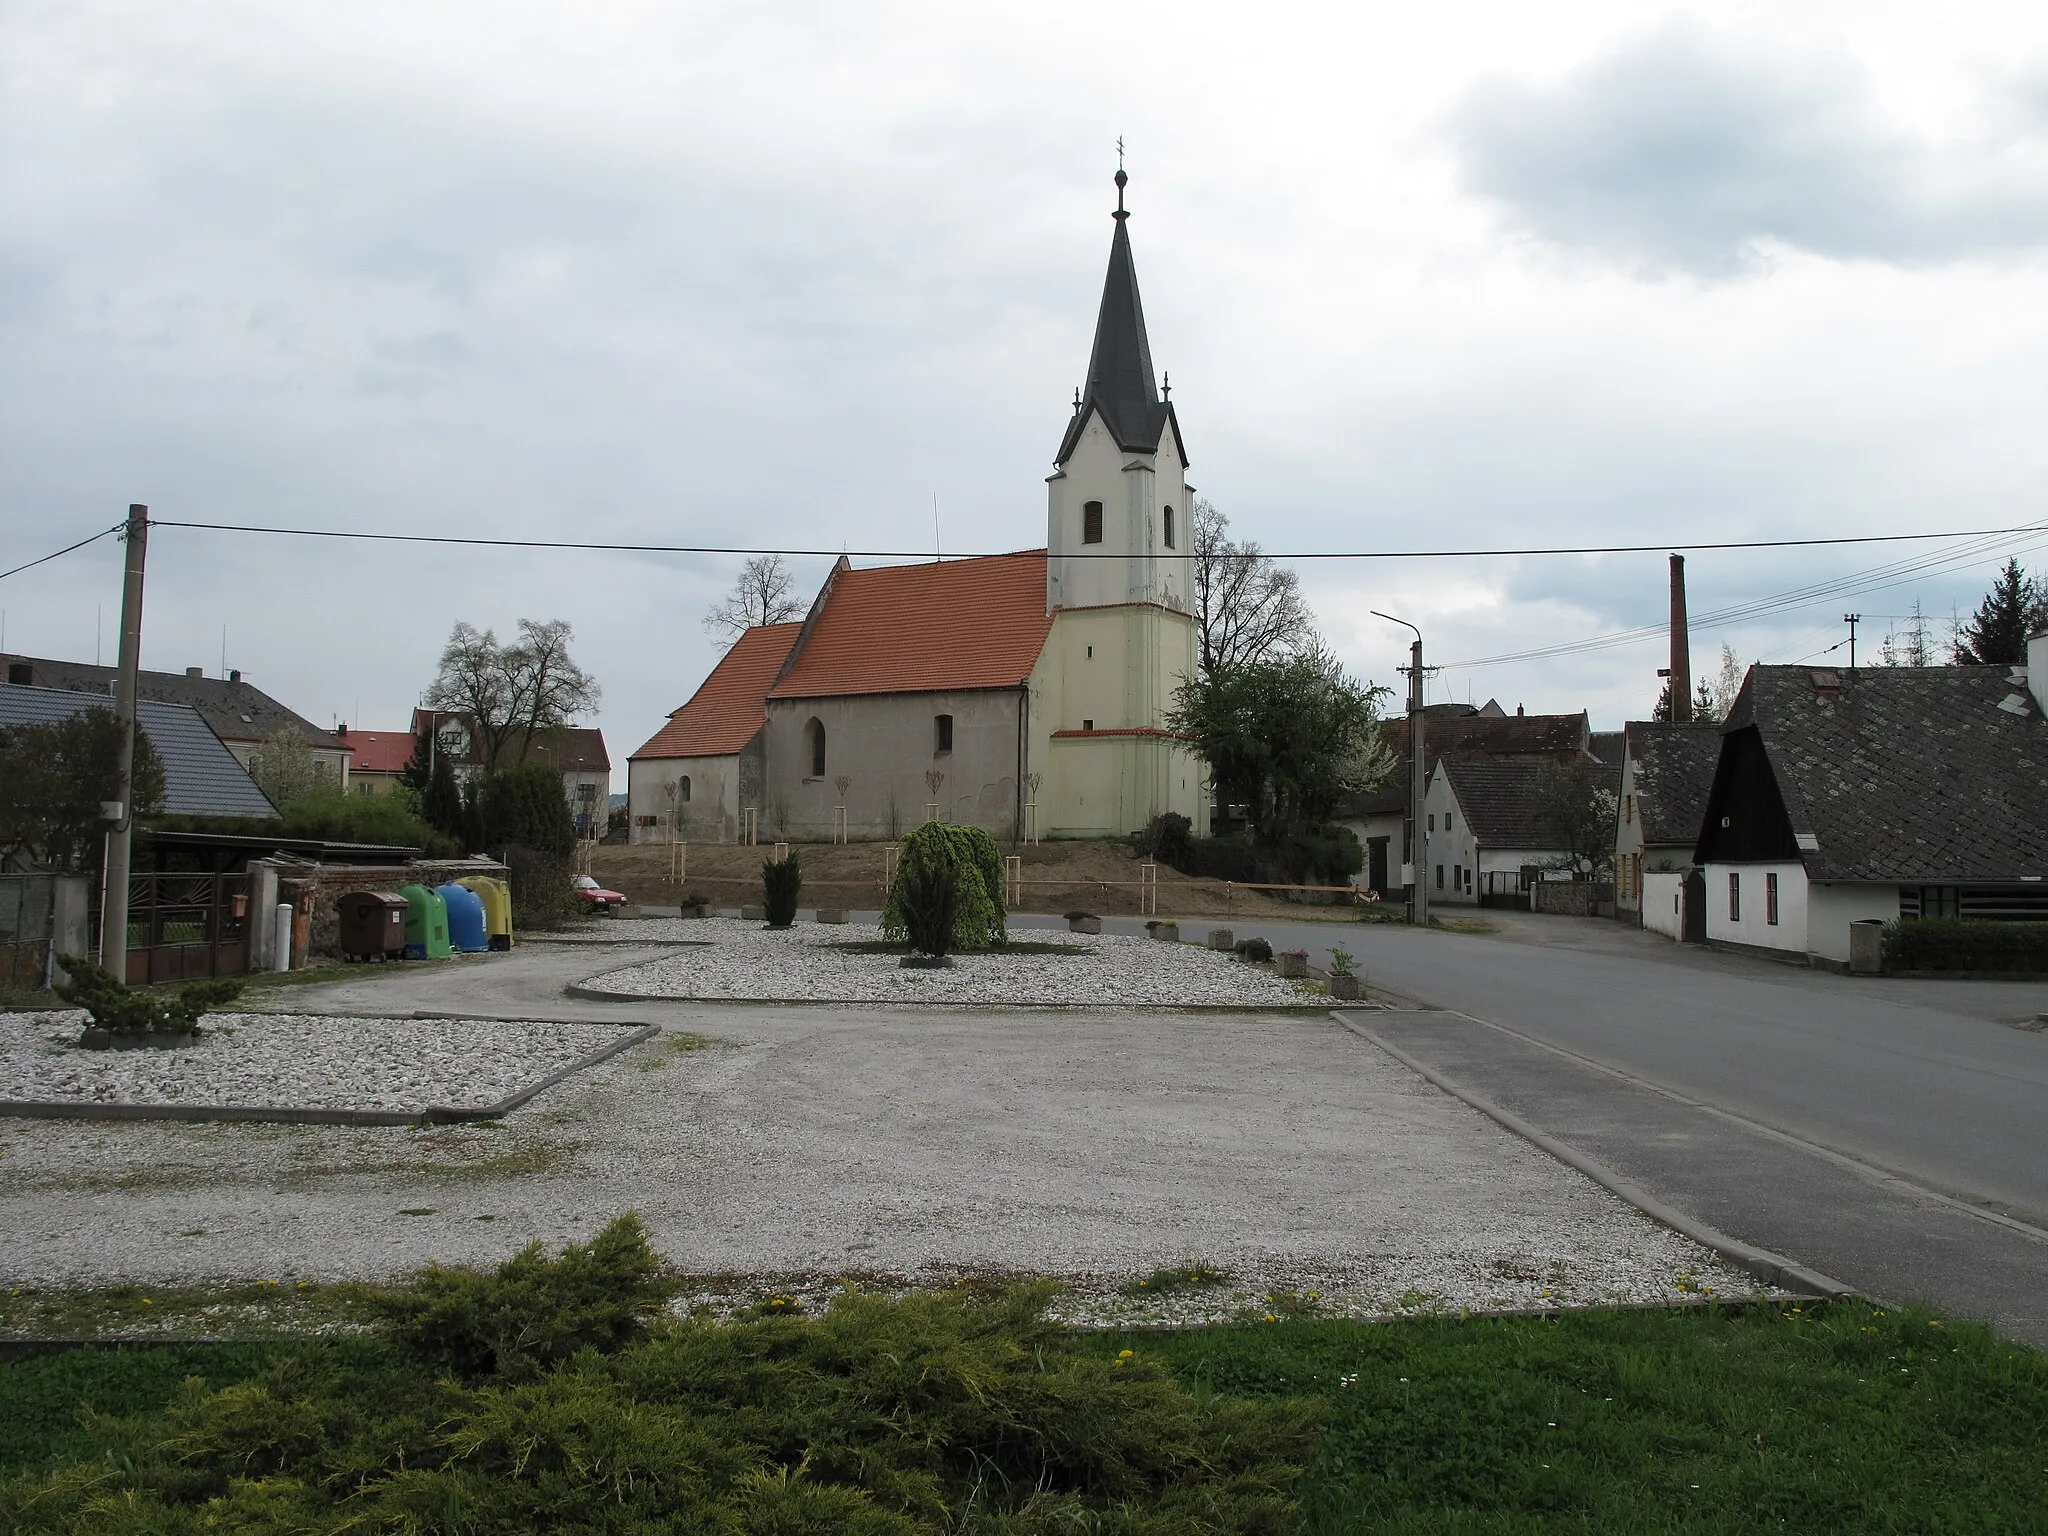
[1119,585]
[1118,526]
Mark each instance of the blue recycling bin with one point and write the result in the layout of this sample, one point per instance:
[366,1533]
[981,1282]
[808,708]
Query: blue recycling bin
[467,929]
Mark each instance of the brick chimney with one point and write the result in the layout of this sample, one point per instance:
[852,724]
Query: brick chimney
[1681,647]
[195,671]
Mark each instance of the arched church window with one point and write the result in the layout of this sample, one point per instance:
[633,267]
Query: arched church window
[683,789]
[942,733]
[1169,527]
[815,731]
[1091,523]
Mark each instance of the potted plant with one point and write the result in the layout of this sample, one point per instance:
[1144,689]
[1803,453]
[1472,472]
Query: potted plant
[1343,982]
[696,904]
[1165,931]
[1253,951]
[127,1019]
[1084,922]
[1293,962]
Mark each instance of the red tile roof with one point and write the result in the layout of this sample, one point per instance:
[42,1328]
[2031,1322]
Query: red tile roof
[378,751]
[977,623]
[725,711]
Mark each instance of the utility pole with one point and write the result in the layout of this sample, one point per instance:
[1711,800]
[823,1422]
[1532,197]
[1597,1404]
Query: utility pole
[1418,783]
[1681,647]
[114,878]
[1852,620]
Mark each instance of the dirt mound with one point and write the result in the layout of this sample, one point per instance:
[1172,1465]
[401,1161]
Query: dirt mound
[1101,877]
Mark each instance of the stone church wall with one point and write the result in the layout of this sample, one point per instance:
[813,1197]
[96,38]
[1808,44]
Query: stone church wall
[884,745]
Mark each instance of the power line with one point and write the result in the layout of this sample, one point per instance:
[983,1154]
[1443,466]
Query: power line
[67,549]
[1877,579]
[921,554]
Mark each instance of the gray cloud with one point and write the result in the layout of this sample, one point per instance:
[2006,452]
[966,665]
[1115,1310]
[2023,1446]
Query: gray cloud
[1688,148]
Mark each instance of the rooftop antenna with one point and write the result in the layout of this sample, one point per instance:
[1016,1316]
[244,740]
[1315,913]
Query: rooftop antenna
[1852,620]
[223,650]
[937,548]
[99,622]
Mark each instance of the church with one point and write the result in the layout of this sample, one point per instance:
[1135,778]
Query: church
[1024,693]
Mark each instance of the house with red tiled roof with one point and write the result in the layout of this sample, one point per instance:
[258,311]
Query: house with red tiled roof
[1025,693]
[380,757]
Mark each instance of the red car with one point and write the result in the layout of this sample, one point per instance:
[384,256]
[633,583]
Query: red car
[595,897]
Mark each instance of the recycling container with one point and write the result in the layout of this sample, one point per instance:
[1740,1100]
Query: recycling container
[372,925]
[465,918]
[426,924]
[497,900]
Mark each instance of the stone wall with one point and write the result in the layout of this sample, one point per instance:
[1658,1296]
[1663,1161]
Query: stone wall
[1573,898]
[315,889]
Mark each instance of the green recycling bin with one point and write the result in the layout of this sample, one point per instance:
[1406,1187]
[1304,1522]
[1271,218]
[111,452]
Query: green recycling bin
[426,924]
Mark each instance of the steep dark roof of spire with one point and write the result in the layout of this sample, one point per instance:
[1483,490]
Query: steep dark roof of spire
[1121,384]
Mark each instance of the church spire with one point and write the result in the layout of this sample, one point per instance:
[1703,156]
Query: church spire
[1121,385]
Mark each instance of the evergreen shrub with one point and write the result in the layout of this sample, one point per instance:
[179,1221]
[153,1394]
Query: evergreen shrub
[1965,944]
[930,903]
[555,1396]
[977,867]
[781,882]
[1258,950]
[137,1010]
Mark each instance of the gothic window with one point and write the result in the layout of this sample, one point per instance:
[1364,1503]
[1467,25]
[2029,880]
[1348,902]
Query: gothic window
[815,733]
[1091,523]
[1169,527]
[942,733]
[683,789]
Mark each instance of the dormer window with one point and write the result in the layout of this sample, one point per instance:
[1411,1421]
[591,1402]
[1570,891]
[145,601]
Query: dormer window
[1169,527]
[1091,523]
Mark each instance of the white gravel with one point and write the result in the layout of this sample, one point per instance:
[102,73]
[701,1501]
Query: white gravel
[807,963]
[895,1146]
[295,1060]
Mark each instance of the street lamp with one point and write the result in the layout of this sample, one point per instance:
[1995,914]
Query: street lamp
[1418,851]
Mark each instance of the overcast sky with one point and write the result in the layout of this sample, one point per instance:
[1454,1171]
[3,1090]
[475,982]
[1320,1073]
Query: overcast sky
[1460,275]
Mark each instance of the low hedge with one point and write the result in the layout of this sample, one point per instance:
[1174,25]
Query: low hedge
[1965,944]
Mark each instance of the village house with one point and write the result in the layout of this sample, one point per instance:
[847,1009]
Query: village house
[1025,693]
[377,759]
[240,714]
[1487,830]
[1485,734]
[1667,770]
[201,776]
[1870,795]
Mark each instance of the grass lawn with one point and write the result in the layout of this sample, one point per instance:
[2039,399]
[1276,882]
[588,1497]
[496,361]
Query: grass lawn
[1839,1417]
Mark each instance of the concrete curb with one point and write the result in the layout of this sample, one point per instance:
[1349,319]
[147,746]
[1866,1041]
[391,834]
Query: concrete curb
[1771,1268]
[435,1114]
[579,990]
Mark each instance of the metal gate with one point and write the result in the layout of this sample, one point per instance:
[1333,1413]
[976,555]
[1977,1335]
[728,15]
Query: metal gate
[181,927]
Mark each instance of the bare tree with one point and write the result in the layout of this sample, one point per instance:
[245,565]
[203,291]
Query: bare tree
[511,697]
[1249,609]
[762,595]
[1727,684]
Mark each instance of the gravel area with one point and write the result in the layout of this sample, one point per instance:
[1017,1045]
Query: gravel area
[785,1148]
[295,1060]
[813,963]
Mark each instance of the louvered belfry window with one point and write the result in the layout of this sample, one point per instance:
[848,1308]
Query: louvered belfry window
[1091,523]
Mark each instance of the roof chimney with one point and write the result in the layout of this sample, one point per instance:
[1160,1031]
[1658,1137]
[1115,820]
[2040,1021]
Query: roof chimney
[235,676]
[195,671]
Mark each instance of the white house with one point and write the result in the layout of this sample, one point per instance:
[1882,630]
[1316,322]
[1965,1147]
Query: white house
[1667,769]
[1882,793]
[1485,832]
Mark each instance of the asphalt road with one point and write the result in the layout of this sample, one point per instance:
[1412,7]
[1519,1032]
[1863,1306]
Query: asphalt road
[1893,1134]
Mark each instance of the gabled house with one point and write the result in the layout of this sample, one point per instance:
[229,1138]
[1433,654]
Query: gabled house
[1877,794]
[1487,830]
[577,753]
[377,759]
[1667,770]
[1487,734]
[201,776]
[239,713]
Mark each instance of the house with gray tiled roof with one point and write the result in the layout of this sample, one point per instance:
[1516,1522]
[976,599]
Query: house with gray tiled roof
[1487,832]
[1877,794]
[1667,769]
[201,777]
[242,715]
